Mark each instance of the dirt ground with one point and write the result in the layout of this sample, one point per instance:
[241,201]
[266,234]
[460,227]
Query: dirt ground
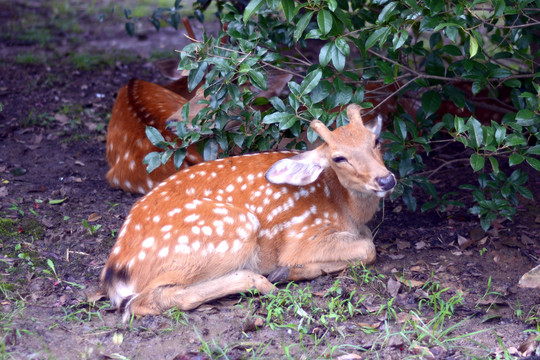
[60,70]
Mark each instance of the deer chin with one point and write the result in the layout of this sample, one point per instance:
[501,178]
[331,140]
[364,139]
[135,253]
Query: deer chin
[382,194]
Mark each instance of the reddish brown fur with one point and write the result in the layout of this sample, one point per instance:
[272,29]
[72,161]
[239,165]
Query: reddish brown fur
[140,104]
[216,228]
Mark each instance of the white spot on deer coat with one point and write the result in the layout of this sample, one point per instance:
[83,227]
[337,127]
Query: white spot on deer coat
[237,245]
[196,245]
[207,230]
[192,218]
[163,252]
[166,228]
[148,242]
[196,230]
[142,255]
[182,248]
[222,247]
[156,218]
[174,212]
[220,211]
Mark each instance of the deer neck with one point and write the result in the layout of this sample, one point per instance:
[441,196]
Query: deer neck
[357,208]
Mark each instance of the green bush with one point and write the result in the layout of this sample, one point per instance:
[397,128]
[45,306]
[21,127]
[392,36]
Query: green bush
[435,53]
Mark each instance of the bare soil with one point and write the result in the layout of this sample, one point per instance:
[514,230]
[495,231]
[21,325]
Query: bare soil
[56,208]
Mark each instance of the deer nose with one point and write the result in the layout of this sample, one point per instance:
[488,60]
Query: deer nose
[387,182]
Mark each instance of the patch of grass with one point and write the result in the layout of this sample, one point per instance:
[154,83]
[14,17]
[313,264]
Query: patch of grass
[29,58]
[96,61]
[83,312]
[177,317]
[41,119]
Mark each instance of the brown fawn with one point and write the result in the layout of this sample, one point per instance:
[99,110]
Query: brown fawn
[233,224]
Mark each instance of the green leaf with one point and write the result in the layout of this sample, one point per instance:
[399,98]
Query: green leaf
[288,9]
[499,73]
[386,12]
[338,59]
[533,150]
[325,55]
[378,35]
[456,95]
[477,162]
[526,117]
[431,101]
[400,128]
[155,137]
[515,159]
[210,150]
[321,91]
[535,163]
[287,122]
[477,135]
[276,117]
[494,164]
[473,46]
[400,39]
[130,28]
[258,78]
[57,201]
[252,7]
[196,76]
[153,160]
[310,82]
[500,135]
[451,50]
[302,24]
[459,124]
[515,83]
[342,46]
[179,155]
[324,20]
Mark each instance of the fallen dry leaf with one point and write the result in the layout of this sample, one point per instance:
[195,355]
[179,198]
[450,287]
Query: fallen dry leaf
[393,287]
[531,279]
[402,245]
[528,347]
[93,217]
[417,268]
[62,119]
[423,351]
[411,282]
[420,245]
[3,191]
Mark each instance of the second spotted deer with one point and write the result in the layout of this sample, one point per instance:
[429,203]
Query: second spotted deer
[233,224]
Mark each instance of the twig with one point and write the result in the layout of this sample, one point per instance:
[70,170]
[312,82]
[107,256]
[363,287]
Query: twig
[446,163]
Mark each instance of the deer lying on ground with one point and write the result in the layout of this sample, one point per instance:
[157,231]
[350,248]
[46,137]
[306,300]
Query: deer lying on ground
[230,225]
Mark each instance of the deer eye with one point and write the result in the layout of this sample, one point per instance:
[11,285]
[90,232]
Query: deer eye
[339,159]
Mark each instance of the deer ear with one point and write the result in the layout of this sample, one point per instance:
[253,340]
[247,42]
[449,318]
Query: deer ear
[375,125]
[298,170]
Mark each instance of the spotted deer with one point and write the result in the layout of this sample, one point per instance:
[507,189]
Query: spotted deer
[233,224]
